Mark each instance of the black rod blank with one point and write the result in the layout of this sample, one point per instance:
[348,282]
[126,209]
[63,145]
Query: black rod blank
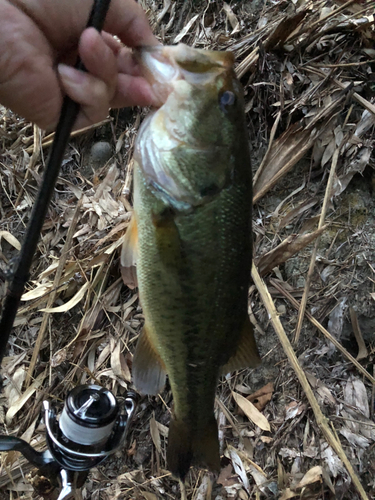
[20,275]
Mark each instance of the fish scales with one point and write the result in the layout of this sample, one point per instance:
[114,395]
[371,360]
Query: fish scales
[192,212]
[193,296]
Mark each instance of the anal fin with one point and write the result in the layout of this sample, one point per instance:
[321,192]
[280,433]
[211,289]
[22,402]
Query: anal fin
[246,355]
[148,368]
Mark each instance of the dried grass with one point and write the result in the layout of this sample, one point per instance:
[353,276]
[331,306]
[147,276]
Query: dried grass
[307,68]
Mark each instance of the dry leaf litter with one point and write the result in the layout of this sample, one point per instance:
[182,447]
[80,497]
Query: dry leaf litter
[300,426]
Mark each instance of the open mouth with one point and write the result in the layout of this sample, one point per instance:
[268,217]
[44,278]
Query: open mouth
[162,66]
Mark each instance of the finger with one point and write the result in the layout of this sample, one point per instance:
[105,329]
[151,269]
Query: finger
[90,92]
[114,44]
[98,58]
[127,64]
[28,82]
[63,22]
[128,21]
[133,91]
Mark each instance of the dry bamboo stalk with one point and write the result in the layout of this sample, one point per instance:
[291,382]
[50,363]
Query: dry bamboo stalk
[266,156]
[344,65]
[327,196]
[35,148]
[326,333]
[321,420]
[332,14]
[182,490]
[51,299]
[249,61]
[361,100]
[48,140]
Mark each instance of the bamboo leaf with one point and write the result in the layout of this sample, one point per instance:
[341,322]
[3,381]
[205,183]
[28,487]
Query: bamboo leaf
[251,412]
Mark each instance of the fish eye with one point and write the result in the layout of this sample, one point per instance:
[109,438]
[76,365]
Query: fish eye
[227,98]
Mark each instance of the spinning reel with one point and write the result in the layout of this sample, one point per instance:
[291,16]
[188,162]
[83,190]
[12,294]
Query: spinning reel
[92,426]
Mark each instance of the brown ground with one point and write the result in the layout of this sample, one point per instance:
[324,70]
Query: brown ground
[293,59]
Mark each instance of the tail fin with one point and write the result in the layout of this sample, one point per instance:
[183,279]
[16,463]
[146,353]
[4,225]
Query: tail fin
[187,446]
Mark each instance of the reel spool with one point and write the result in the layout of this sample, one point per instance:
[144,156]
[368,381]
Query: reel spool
[90,427]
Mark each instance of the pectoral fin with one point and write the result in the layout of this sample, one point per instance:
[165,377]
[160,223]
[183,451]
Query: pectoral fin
[167,238]
[129,255]
[148,368]
[246,355]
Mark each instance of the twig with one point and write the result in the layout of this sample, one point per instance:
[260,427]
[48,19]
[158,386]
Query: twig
[321,420]
[48,140]
[35,149]
[183,490]
[361,100]
[269,149]
[228,416]
[332,14]
[325,18]
[327,196]
[52,297]
[362,350]
[249,61]
[325,332]
[343,65]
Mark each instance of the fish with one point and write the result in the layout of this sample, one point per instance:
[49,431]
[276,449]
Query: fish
[191,241]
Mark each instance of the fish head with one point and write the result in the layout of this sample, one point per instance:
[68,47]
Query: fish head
[186,146]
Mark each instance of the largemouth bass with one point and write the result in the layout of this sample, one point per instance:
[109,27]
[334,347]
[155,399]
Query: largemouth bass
[191,239]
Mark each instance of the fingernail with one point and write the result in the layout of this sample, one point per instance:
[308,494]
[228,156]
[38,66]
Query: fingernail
[70,74]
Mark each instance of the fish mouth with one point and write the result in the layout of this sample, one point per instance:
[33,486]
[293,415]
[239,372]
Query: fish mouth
[164,65]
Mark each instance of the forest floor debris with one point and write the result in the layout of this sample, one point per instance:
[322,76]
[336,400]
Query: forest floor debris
[308,69]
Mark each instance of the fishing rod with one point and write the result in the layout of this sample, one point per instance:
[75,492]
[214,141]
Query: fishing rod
[93,424]
[20,274]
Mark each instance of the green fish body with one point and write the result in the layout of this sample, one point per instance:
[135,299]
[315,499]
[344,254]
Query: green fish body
[192,220]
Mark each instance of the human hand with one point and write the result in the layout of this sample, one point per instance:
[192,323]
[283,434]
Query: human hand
[39,40]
